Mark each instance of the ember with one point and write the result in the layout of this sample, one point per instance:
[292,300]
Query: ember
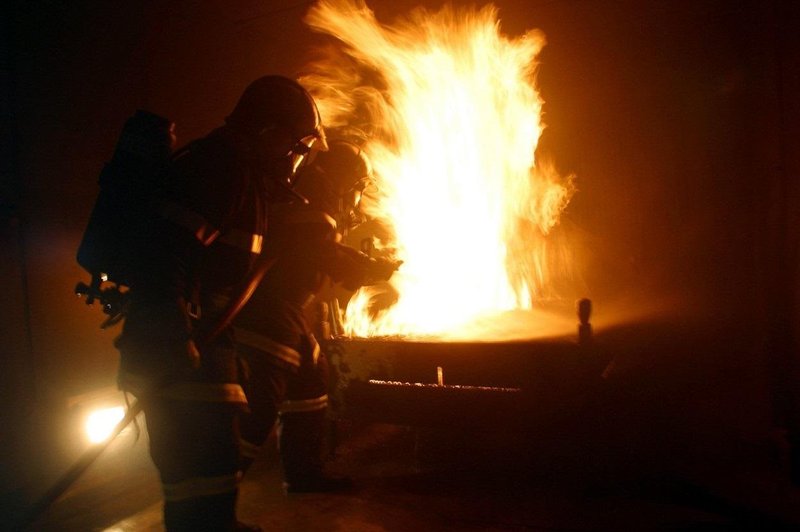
[454,119]
[448,386]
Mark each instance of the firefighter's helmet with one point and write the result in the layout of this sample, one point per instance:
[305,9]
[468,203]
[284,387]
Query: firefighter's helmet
[276,103]
[337,180]
[346,166]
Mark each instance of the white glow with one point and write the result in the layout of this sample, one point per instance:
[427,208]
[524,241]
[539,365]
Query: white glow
[101,422]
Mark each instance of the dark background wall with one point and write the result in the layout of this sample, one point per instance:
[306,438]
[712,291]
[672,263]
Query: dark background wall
[679,119]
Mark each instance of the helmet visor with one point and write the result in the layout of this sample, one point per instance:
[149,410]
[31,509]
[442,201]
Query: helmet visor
[350,213]
[304,152]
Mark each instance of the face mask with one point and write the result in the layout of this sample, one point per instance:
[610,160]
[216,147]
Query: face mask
[302,154]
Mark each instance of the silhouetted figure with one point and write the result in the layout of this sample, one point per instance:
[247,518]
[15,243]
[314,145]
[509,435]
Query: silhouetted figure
[288,370]
[208,235]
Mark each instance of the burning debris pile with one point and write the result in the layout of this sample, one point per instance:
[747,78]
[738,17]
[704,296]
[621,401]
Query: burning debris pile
[452,119]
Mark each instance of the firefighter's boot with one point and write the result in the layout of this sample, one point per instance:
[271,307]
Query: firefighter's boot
[301,444]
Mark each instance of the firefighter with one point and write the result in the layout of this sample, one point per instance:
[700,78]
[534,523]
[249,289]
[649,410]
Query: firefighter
[288,371]
[204,243]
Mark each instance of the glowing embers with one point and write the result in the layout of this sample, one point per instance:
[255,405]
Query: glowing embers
[454,119]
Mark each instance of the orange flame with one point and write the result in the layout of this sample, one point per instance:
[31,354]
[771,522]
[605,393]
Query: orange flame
[454,119]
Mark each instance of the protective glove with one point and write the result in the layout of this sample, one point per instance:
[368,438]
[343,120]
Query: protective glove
[382,269]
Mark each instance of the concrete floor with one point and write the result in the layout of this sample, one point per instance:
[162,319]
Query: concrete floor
[411,479]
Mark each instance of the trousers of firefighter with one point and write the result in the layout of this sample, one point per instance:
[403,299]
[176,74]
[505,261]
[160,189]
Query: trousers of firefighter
[286,371]
[286,379]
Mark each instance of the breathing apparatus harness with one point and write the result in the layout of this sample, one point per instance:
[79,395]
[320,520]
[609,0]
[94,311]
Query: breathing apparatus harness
[108,252]
[116,230]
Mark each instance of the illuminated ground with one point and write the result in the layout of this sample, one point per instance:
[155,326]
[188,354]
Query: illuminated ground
[409,479]
[648,448]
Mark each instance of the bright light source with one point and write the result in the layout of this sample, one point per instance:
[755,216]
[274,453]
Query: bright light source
[101,422]
[454,117]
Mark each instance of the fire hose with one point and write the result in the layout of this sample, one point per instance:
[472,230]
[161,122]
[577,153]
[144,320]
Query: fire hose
[92,453]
